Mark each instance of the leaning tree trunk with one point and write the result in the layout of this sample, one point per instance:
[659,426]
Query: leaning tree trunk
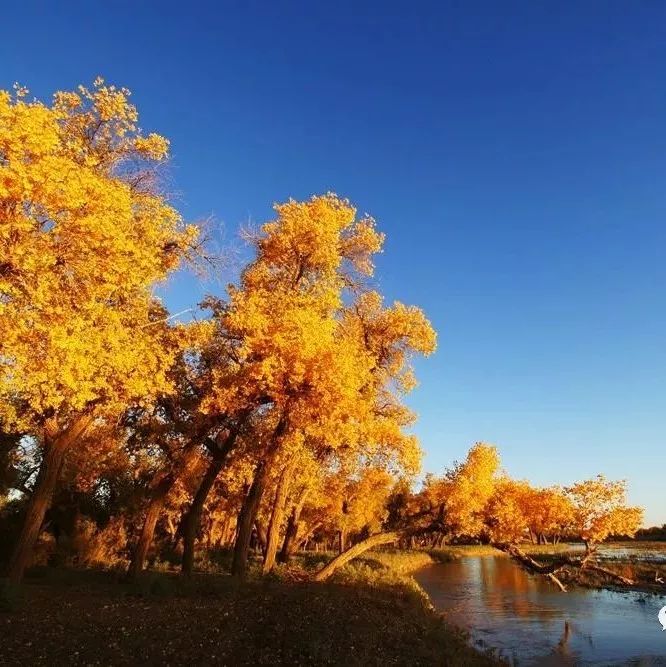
[250,507]
[246,520]
[291,533]
[192,518]
[275,522]
[55,449]
[160,491]
[303,539]
[354,552]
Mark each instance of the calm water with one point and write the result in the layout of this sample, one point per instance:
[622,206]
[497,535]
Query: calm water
[526,619]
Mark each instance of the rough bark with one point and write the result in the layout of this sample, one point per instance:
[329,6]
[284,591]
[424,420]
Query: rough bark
[56,446]
[192,520]
[290,543]
[161,487]
[246,520]
[354,552]
[250,507]
[277,514]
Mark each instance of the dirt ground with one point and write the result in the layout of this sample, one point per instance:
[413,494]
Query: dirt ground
[85,618]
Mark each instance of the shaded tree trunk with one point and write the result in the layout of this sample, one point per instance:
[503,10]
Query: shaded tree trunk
[56,446]
[246,520]
[551,569]
[224,533]
[354,552]
[291,533]
[261,535]
[250,507]
[192,520]
[609,573]
[342,541]
[302,540]
[161,487]
[277,514]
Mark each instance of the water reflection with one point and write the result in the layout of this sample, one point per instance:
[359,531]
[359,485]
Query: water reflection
[530,622]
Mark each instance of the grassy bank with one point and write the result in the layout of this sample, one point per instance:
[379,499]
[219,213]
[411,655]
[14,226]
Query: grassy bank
[449,553]
[370,614]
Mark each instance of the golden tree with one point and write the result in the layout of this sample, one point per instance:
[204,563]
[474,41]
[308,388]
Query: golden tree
[295,352]
[458,499]
[283,319]
[600,510]
[550,513]
[84,236]
[508,510]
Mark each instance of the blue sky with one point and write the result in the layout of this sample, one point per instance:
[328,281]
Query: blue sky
[514,154]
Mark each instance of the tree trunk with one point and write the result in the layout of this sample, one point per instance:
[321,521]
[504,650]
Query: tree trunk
[192,518]
[290,543]
[56,447]
[261,535]
[277,514]
[250,506]
[354,552]
[342,541]
[549,571]
[246,520]
[162,484]
[610,573]
[229,532]
[302,540]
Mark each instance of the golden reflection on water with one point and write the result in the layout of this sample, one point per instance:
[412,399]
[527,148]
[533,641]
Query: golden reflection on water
[530,622]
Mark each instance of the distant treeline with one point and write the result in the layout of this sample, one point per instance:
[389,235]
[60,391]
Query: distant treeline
[653,533]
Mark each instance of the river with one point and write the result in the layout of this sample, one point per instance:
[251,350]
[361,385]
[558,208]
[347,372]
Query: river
[529,622]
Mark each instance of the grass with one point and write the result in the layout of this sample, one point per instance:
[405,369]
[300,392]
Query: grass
[453,552]
[400,562]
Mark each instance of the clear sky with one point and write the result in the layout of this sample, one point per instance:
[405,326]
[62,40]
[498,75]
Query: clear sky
[514,154]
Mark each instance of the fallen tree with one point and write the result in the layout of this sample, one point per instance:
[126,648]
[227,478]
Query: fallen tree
[355,551]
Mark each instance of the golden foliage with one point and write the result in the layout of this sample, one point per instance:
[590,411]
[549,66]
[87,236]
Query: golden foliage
[600,509]
[84,236]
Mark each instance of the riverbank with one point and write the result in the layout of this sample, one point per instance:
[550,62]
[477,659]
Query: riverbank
[370,614]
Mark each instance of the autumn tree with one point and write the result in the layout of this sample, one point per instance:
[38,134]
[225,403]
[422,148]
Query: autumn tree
[282,317]
[301,354]
[600,509]
[456,502]
[84,237]
[550,514]
[507,510]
